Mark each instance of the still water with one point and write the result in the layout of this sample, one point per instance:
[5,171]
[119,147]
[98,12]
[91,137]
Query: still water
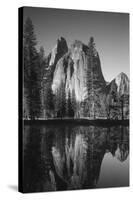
[67,157]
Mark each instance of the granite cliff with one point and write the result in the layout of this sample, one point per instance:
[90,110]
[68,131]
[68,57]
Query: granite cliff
[77,71]
[72,70]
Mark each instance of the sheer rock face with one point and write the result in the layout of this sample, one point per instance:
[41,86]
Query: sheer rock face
[72,70]
[118,93]
[58,51]
[120,85]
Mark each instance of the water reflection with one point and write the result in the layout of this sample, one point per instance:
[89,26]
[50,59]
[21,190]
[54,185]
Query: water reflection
[72,157]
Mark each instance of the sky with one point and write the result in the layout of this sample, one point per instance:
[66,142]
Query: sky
[110,32]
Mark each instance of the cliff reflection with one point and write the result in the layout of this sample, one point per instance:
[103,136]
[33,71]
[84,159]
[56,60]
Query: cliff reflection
[70,157]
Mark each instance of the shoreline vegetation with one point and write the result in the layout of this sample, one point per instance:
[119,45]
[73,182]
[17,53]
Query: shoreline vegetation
[72,121]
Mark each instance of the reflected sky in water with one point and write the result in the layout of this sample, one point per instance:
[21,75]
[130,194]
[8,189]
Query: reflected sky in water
[113,173]
[70,157]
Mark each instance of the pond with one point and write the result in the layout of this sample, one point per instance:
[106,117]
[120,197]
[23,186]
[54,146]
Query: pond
[69,157]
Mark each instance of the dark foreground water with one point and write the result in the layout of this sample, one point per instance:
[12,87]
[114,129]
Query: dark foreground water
[67,157]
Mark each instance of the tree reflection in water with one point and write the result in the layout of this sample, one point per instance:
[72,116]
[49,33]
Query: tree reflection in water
[69,157]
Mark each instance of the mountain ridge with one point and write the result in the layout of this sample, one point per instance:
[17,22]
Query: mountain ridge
[78,69]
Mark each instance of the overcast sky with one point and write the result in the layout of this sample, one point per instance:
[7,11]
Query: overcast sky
[110,32]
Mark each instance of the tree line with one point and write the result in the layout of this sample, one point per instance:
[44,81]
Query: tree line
[39,99]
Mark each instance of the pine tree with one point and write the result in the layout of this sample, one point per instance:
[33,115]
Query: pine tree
[114,107]
[41,54]
[48,100]
[42,61]
[74,102]
[124,104]
[69,106]
[30,53]
[90,76]
[60,101]
[122,107]
[108,106]
[32,73]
